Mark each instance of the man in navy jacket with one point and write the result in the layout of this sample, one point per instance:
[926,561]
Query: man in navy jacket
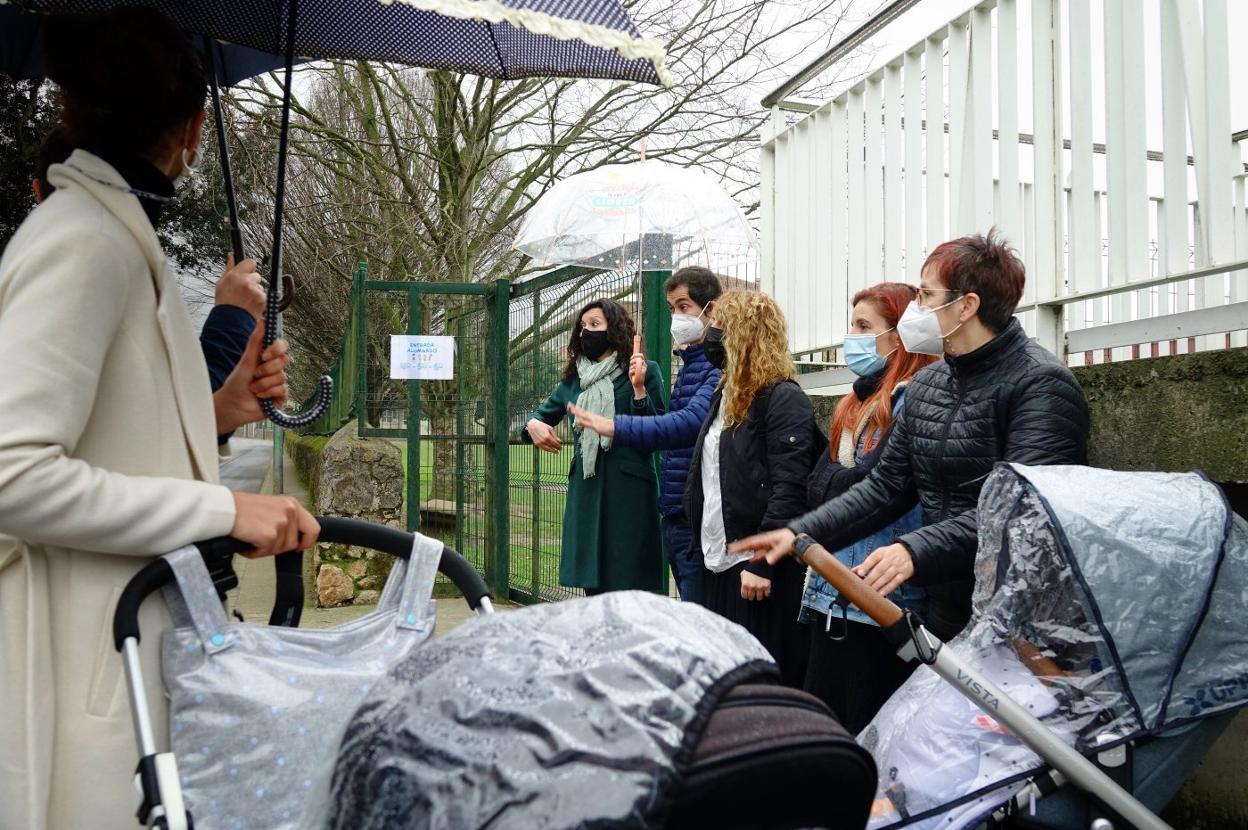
[690,293]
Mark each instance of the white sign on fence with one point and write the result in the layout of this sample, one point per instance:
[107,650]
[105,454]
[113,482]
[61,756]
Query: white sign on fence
[421,357]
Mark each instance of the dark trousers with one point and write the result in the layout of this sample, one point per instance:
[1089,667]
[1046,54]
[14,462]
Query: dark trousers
[773,621]
[854,676]
[683,557]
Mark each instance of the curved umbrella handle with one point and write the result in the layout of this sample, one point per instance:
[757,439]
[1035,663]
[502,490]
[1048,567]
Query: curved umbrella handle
[325,386]
[324,394]
[288,292]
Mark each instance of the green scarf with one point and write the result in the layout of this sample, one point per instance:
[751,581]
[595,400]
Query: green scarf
[597,396]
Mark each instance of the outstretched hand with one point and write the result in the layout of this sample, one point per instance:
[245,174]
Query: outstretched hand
[637,369]
[592,421]
[773,545]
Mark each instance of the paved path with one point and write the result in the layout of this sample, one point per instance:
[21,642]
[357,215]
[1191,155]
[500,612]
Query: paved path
[248,466]
[248,469]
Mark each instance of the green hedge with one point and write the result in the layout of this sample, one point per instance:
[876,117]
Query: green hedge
[308,454]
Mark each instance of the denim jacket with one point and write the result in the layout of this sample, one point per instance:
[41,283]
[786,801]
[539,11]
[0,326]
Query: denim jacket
[818,596]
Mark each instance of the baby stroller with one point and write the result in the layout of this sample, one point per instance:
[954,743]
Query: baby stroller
[1107,616]
[245,759]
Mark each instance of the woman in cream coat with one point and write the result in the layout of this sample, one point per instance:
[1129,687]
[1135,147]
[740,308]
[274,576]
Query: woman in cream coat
[108,451]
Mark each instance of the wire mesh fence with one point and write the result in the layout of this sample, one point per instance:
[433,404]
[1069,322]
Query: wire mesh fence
[541,318]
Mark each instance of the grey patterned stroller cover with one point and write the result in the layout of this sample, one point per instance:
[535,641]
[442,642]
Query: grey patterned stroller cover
[256,711]
[1111,605]
[575,714]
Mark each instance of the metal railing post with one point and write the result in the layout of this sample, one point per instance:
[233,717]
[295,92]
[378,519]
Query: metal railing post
[1050,257]
[498,449]
[413,423]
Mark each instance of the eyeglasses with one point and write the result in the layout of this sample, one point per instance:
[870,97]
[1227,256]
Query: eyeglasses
[929,296]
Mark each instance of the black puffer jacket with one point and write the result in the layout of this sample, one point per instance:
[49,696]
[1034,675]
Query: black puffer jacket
[1009,400]
[763,465]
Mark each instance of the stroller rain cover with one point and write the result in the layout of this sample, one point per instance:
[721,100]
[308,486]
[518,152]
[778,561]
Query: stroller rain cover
[576,714]
[1109,604]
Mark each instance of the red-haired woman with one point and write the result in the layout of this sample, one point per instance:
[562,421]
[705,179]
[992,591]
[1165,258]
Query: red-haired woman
[851,666]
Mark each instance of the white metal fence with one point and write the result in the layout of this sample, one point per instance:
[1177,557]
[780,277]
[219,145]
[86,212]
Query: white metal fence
[1092,134]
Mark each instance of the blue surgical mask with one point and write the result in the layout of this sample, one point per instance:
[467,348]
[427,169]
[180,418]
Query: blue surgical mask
[861,356]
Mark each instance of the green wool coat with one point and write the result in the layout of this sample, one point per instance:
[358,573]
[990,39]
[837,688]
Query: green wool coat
[611,538]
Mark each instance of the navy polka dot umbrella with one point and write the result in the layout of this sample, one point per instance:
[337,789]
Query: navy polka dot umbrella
[507,39]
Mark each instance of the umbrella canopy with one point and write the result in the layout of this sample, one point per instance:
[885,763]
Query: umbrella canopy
[495,38]
[21,54]
[506,39]
[648,216]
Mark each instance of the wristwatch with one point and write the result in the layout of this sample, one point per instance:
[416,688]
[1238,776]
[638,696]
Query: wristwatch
[801,544]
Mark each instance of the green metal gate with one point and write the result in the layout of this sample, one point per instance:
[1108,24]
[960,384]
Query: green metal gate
[452,433]
[470,481]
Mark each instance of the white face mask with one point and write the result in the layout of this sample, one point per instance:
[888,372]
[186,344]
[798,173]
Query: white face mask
[919,329]
[686,328]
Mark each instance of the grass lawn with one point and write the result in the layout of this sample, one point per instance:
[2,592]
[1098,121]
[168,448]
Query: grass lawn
[536,502]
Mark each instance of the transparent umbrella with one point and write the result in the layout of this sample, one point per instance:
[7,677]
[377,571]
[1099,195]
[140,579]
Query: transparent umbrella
[648,216]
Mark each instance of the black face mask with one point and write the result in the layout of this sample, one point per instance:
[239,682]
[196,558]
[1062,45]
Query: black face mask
[713,346]
[594,344]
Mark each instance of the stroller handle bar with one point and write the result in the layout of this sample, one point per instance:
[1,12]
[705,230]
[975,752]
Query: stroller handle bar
[846,582]
[218,552]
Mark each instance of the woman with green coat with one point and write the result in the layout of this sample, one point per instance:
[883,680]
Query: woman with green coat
[611,537]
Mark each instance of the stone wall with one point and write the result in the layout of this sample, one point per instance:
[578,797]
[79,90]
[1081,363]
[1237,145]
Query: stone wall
[1175,414]
[356,478]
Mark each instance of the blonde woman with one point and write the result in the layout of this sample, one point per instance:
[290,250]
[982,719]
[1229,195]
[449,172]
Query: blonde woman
[749,473]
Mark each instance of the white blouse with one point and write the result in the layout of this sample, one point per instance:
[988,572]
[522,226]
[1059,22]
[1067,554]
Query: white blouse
[715,553]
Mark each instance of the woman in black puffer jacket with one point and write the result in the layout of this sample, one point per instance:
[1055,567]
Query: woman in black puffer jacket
[995,397]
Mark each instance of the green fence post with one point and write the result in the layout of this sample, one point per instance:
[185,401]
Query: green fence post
[657,322]
[360,297]
[413,423]
[279,460]
[460,461]
[498,451]
[535,535]
[658,342]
